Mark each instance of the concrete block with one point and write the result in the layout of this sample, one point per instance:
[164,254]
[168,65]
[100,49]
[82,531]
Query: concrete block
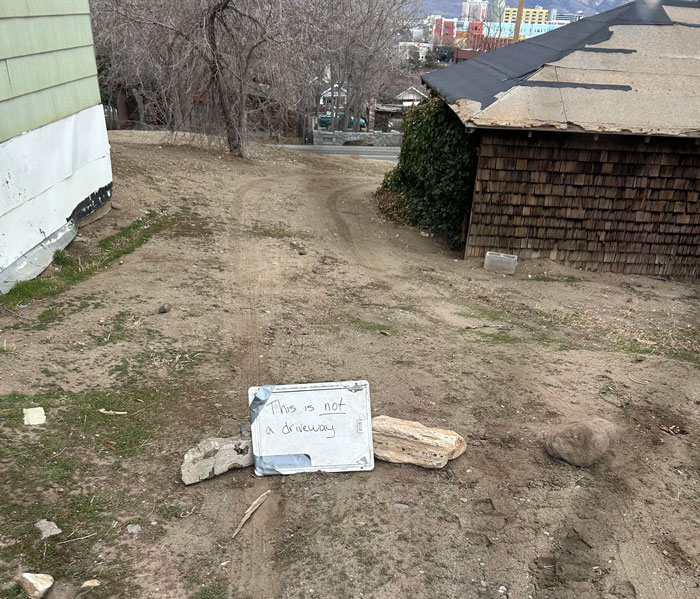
[503,263]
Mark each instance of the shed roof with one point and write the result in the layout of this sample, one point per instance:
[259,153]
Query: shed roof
[634,69]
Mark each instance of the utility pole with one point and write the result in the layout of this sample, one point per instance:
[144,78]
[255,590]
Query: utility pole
[518,21]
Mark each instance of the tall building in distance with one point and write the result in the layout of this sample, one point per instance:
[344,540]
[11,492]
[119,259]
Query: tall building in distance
[444,31]
[555,15]
[498,8]
[537,15]
[475,10]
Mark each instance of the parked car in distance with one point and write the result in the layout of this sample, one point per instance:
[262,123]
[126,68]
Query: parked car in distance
[325,120]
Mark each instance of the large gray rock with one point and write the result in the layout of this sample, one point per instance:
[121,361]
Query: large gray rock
[215,456]
[581,442]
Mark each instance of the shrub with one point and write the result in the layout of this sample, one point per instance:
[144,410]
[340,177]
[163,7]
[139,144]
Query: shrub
[436,170]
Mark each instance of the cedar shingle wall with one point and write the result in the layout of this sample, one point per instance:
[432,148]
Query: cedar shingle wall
[617,204]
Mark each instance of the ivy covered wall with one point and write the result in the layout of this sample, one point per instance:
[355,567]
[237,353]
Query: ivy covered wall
[433,182]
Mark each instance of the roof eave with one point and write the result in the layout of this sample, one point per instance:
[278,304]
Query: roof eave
[561,127]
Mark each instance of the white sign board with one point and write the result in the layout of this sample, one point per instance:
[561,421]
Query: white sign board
[309,428]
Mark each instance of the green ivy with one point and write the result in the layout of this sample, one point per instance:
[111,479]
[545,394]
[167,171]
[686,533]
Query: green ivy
[436,170]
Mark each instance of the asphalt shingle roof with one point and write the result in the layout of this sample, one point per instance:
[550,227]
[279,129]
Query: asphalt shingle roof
[633,69]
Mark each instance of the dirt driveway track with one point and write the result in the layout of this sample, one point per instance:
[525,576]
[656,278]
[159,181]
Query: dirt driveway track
[279,269]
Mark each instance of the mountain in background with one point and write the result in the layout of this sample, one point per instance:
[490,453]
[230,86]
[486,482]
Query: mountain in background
[453,8]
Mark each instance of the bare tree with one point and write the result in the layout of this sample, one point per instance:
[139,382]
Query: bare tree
[220,66]
[361,50]
[208,49]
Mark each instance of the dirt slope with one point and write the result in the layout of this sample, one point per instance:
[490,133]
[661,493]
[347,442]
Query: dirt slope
[248,308]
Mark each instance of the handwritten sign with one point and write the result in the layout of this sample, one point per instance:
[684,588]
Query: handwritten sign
[312,427]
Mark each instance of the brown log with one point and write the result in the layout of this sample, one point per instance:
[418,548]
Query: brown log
[407,442]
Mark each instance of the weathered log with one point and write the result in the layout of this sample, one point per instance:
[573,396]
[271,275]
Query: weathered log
[407,442]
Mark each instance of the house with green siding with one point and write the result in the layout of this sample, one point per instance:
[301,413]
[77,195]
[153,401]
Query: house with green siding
[54,154]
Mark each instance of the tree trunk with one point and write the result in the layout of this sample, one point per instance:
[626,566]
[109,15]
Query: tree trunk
[233,135]
[232,138]
[242,118]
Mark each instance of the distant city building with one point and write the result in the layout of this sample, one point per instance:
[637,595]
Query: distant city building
[475,10]
[444,31]
[490,35]
[555,15]
[526,29]
[498,8]
[530,15]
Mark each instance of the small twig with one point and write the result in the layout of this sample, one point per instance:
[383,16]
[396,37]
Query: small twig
[250,511]
[3,309]
[187,514]
[111,412]
[58,454]
[110,529]
[78,539]
[636,381]
[152,510]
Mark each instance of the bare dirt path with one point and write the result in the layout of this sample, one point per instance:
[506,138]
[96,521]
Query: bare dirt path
[279,270]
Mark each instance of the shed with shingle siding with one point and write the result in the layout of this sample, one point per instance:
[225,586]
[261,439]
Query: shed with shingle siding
[589,150]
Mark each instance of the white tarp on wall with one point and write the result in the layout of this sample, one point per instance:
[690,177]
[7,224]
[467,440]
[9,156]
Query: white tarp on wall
[44,175]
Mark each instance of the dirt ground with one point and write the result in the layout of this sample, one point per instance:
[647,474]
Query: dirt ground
[498,359]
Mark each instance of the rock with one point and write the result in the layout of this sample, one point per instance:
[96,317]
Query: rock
[47,529]
[164,309]
[116,205]
[215,456]
[581,442]
[302,252]
[407,442]
[401,506]
[133,529]
[35,585]
[33,416]
[89,584]
[81,239]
